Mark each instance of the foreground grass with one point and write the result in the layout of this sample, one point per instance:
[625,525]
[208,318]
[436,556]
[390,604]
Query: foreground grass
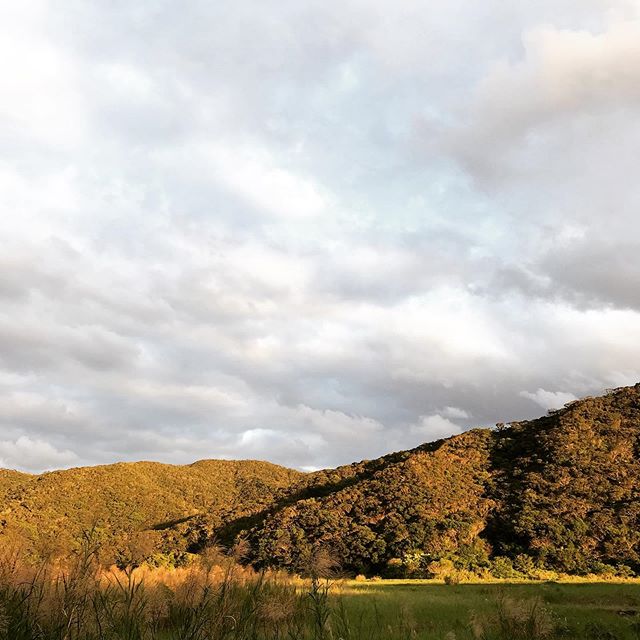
[598,611]
[220,600]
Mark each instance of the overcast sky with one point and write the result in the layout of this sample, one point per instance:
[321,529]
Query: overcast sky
[310,232]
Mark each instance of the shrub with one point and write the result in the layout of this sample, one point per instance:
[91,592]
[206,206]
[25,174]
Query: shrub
[395,568]
[544,575]
[623,571]
[440,568]
[502,567]
[525,565]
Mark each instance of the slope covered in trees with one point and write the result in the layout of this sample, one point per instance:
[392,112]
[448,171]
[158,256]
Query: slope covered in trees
[561,492]
[10,480]
[431,499]
[134,509]
[567,486]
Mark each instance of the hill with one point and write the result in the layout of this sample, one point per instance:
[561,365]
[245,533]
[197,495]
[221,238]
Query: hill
[430,500]
[133,508]
[567,486]
[561,492]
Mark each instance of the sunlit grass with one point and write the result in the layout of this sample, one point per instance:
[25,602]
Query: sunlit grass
[216,598]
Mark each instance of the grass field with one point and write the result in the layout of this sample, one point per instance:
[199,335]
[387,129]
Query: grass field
[83,601]
[599,611]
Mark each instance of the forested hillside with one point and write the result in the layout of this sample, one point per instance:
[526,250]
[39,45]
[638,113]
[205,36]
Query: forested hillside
[430,499]
[561,492]
[134,510]
[567,486]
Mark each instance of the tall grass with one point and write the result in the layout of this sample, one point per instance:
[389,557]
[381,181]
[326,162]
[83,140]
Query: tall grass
[78,600]
[214,599]
[513,619]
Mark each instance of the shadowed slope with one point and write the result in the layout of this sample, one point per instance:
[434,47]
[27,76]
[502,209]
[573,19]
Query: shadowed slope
[430,498]
[563,490]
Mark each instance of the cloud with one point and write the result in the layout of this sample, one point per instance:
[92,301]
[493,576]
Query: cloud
[26,454]
[564,72]
[257,178]
[566,78]
[310,234]
[455,413]
[549,399]
[434,427]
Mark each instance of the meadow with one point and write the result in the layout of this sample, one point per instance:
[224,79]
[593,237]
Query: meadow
[500,610]
[216,598]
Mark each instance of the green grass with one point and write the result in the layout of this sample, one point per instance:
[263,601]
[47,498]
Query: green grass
[430,610]
[218,599]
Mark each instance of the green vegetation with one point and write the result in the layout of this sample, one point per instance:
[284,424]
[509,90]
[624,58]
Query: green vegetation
[426,501]
[531,500]
[500,518]
[588,611]
[557,494]
[137,510]
[215,598]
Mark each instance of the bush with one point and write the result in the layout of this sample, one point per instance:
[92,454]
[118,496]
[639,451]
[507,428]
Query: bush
[472,557]
[440,568]
[525,565]
[414,564]
[544,575]
[623,571]
[502,567]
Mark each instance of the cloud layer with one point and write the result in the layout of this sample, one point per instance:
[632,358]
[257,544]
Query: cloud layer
[310,233]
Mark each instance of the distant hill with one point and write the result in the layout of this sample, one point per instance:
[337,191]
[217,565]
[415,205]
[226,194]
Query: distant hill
[561,492]
[133,508]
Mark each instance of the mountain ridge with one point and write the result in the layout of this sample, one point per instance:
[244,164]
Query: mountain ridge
[561,491]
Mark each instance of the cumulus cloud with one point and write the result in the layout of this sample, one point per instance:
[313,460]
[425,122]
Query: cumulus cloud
[549,399]
[564,73]
[434,427]
[27,454]
[310,234]
[455,413]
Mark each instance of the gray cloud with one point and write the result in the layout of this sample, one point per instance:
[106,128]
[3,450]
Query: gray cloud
[313,233]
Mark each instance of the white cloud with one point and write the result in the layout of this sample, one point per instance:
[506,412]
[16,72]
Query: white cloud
[28,454]
[549,399]
[434,427]
[563,71]
[455,413]
[254,175]
[332,424]
[315,234]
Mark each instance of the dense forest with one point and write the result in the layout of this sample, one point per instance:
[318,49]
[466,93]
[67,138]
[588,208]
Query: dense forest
[560,493]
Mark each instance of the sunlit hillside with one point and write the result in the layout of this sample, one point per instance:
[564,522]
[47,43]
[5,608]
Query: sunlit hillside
[558,494]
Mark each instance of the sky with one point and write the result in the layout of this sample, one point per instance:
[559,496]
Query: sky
[310,232]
